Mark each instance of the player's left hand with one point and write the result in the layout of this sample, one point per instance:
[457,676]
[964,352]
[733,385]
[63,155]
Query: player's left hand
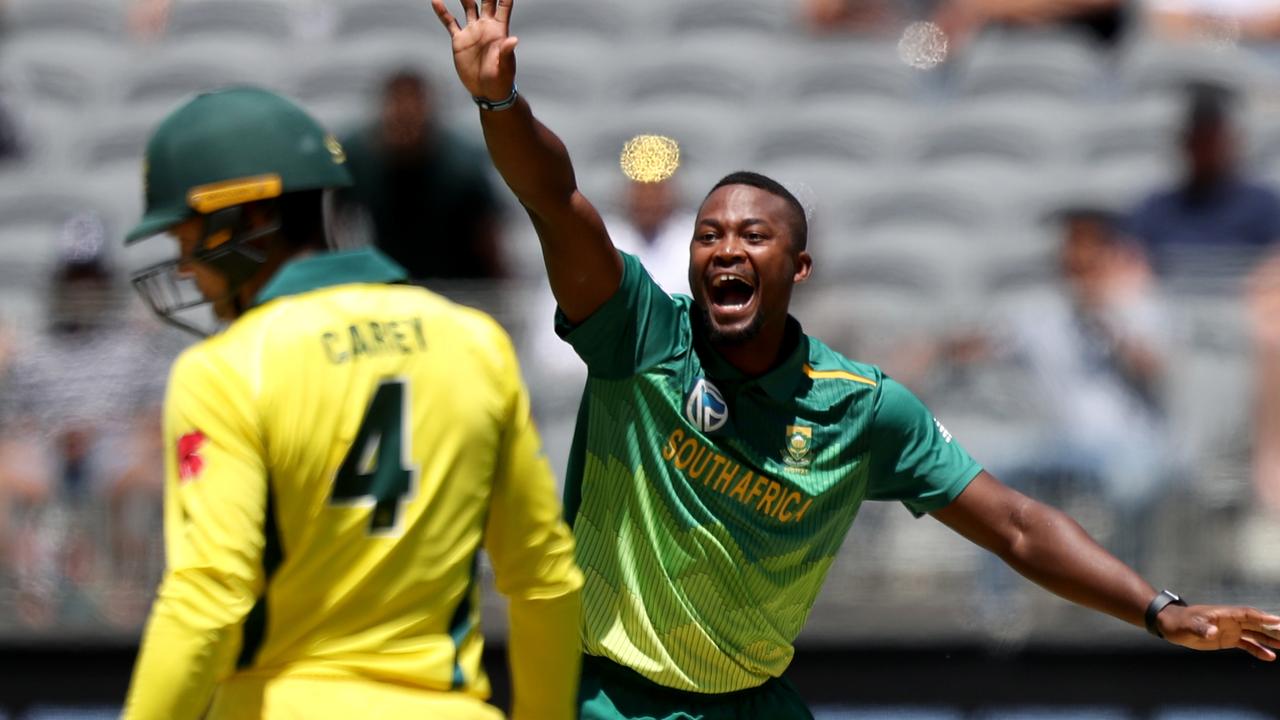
[1222,627]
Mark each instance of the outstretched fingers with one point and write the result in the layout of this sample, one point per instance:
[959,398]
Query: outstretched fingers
[470,10]
[503,12]
[1255,649]
[446,18]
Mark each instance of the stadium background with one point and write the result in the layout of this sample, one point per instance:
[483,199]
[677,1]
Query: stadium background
[930,180]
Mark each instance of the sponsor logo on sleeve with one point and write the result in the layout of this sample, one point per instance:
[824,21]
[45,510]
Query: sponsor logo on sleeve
[946,436]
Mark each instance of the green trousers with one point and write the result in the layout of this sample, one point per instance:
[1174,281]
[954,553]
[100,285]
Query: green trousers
[609,691]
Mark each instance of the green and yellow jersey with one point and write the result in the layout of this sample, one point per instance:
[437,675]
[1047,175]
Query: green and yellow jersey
[708,506]
[336,460]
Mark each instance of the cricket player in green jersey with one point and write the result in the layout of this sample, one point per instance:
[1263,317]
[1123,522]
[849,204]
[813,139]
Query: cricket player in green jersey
[721,454]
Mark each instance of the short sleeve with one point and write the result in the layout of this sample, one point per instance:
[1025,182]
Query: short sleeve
[636,329]
[914,460]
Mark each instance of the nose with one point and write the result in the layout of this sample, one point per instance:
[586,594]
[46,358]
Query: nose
[729,251]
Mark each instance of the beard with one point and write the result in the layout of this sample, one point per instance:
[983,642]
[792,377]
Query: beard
[737,336]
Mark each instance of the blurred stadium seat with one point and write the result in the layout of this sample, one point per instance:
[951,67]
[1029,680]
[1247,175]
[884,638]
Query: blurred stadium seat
[868,70]
[263,19]
[1025,65]
[81,17]
[170,73]
[380,18]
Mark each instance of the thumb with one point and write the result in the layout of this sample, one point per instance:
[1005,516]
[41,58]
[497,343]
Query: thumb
[508,47]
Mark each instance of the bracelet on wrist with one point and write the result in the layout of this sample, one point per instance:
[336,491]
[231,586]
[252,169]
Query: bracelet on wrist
[1164,599]
[497,105]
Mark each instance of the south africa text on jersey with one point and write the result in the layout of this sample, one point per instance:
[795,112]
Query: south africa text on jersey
[374,338]
[702,463]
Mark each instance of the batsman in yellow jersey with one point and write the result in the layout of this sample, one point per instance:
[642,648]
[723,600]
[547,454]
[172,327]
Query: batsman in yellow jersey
[337,457]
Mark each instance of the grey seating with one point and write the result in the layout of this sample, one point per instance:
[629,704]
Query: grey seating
[380,17]
[583,21]
[1015,132]
[66,70]
[696,77]
[171,73]
[266,19]
[762,16]
[85,17]
[861,71]
[1056,65]
[1152,67]
[879,712]
[33,209]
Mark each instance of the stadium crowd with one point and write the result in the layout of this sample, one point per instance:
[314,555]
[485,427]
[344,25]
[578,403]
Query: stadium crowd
[1126,288]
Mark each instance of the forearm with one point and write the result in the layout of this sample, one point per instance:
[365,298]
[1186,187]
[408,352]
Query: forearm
[178,664]
[531,159]
[1049,548]
[545,655]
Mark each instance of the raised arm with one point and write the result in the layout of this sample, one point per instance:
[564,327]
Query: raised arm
[582,265]
[1052,550]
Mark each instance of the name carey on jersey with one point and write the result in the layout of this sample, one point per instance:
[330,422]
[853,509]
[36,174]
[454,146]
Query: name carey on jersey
[373,338]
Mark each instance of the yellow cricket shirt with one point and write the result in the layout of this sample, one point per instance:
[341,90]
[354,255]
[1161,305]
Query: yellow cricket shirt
[336,459]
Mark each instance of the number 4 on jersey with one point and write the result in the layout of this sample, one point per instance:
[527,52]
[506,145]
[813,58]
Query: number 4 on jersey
[374,467]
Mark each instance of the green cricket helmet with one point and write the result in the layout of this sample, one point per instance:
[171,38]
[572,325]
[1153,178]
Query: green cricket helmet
[210,157]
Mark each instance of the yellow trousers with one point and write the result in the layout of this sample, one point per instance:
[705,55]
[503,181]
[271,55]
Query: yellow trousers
[248,698]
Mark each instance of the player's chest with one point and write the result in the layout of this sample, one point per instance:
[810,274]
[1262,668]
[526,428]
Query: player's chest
[739,450]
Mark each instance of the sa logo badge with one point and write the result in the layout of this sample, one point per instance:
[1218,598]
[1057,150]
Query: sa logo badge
[799,443]
[705,407]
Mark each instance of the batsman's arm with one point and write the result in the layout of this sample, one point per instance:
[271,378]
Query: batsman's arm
[215,507]
[1052,550]
[582,264]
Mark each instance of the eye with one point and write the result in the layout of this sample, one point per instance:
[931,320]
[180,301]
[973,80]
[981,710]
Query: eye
[705,236]
[756,236]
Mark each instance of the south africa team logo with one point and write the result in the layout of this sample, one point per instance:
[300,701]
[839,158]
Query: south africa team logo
[799,442]
[705,407]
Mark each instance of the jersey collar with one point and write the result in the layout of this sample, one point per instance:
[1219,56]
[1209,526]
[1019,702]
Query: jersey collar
[779,383]
[365,265]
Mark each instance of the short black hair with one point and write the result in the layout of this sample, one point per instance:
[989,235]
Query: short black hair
[799,219]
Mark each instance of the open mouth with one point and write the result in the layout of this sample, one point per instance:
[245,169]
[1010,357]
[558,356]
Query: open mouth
[731,292]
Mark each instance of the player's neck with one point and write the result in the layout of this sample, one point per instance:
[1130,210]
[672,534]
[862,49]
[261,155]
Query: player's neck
[758,355]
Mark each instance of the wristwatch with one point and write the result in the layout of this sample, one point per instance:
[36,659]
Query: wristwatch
[1158,603]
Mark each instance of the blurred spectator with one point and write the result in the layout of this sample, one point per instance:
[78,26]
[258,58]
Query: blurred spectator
[10,142]
[1103,20]
[1264,311]
[1223,20]
[80,401]
[427,192]
[654,230]
[1213,220]
[823,16]
[1094,355]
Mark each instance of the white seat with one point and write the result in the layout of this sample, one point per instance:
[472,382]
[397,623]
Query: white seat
[174,72]
[83,17]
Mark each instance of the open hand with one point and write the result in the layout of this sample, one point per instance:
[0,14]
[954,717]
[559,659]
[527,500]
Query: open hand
[1218,627]
[483,51]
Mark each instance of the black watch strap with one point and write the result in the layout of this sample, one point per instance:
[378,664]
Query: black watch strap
[1158,603]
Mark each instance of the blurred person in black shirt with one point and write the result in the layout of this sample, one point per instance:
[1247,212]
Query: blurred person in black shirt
[427,193]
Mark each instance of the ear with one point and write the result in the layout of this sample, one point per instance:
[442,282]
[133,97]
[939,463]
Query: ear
[804,266]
